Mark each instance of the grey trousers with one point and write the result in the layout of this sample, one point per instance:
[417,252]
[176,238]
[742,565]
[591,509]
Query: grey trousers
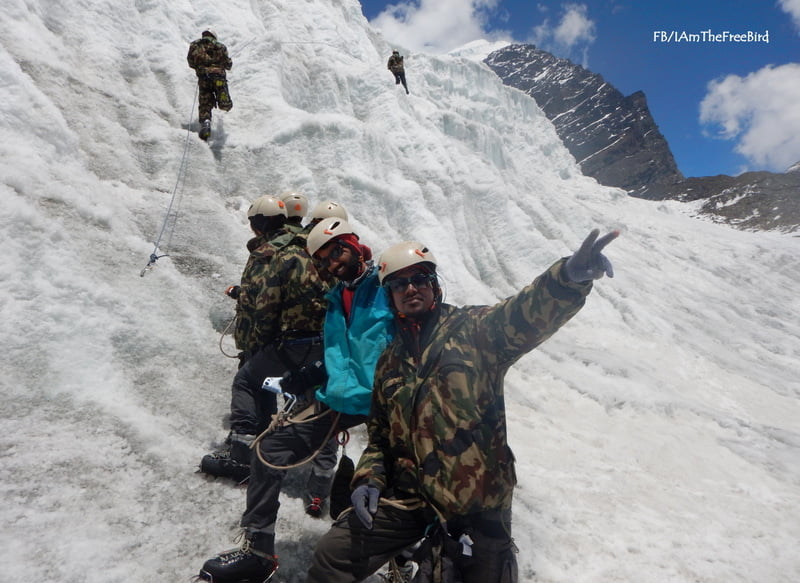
[286,446]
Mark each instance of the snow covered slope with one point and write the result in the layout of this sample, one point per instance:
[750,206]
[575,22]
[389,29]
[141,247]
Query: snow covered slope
[656,434]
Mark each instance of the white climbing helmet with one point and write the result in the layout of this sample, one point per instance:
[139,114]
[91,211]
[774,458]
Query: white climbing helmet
[327,229]
[403,255]
[267,206]
[296,204]
[328,208]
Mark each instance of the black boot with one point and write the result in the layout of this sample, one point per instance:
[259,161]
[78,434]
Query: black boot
[253,562]
[232,460]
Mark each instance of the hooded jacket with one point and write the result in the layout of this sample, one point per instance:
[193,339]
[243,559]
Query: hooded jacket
[352,347]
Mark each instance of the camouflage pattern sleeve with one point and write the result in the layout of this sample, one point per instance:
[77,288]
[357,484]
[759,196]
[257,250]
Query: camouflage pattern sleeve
[226,60]
[520,323]
[191,56]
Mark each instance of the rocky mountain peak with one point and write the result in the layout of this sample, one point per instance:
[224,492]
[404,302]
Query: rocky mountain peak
[612,137]
[615,140]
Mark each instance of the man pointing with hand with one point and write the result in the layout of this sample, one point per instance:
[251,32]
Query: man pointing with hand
[437,462]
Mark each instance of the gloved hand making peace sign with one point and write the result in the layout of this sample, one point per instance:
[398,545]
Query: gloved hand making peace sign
[588,263]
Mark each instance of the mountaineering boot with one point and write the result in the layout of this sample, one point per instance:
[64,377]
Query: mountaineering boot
[232,460]
[205,129]
[253,562]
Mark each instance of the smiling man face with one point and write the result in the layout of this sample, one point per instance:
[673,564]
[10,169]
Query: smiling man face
[412,291]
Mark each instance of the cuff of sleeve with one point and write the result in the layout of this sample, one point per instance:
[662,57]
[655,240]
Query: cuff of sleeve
[557,270]
[360,479]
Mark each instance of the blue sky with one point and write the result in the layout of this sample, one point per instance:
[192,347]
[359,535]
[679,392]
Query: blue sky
[725,106]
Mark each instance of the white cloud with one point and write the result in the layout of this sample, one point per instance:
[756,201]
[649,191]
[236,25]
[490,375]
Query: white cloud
[575,26]
[760,112]
[439,26]
[792,7]
[436,26]
[570,36]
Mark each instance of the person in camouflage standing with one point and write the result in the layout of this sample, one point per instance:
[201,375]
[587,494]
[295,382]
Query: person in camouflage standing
[437,459]
[358,326]
[267,218]
[210,61]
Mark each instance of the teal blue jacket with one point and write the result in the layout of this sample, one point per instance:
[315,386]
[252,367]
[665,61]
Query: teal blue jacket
[352,348]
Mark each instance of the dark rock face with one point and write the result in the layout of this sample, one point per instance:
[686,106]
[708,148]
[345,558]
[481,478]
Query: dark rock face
[615,140]
[755,201]
[612,137]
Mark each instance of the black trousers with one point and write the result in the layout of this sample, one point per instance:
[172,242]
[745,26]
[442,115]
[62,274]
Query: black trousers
[349,552]
[252,407]
[400,77]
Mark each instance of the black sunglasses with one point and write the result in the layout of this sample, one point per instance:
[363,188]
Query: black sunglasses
[418,280]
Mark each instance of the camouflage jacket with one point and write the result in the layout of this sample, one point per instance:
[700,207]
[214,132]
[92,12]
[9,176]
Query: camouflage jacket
[262,249]
[395,64]
[295,228]
[207,55]
[291,302]
[437,427]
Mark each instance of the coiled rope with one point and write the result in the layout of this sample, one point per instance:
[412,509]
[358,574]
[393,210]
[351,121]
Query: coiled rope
[281,420]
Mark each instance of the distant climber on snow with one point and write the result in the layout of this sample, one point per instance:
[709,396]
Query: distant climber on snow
[209,59]
[395,65]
